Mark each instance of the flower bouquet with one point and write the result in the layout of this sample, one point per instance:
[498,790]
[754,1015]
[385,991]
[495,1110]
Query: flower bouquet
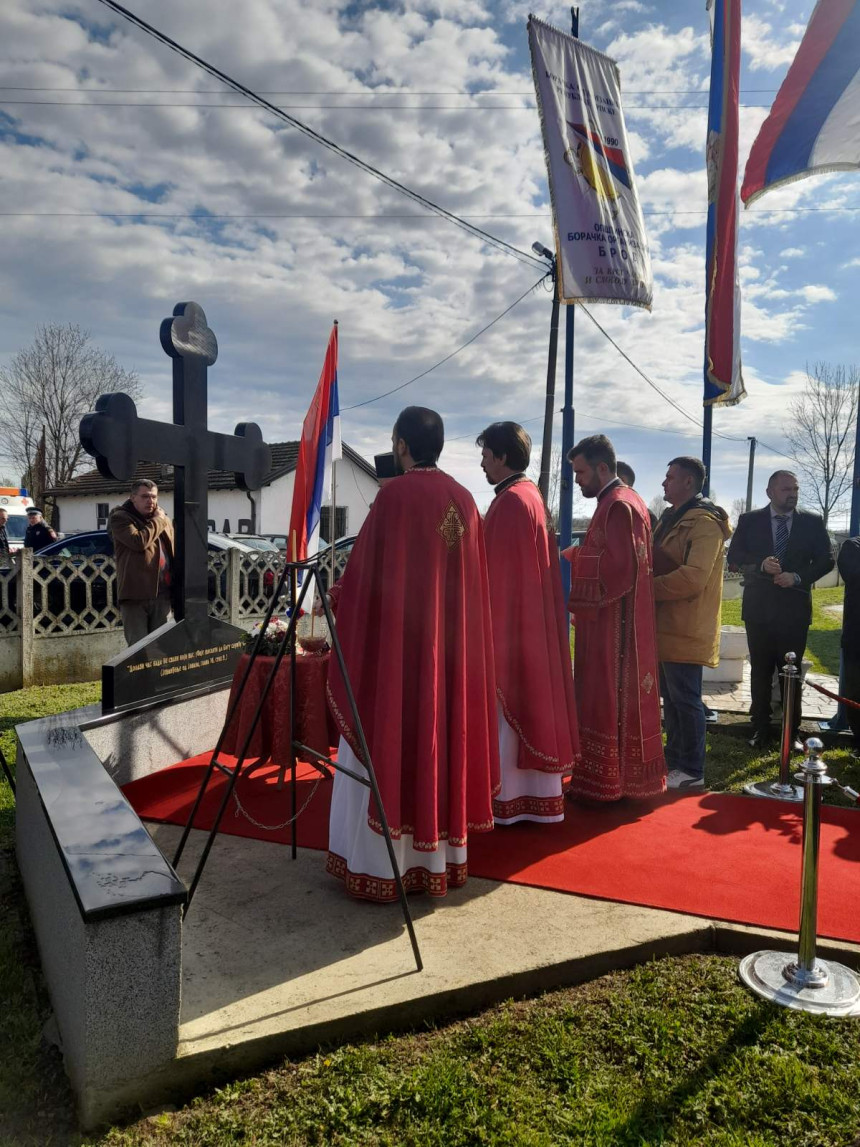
[273,637]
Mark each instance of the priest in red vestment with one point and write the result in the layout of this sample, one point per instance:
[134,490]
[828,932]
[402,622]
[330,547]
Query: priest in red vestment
[615,650]
[538,737]
[413,619]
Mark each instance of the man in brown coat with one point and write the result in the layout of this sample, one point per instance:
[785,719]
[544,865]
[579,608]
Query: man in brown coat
[143,544]
[689,542]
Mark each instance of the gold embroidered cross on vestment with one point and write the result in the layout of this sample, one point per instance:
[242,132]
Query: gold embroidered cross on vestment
[452,527]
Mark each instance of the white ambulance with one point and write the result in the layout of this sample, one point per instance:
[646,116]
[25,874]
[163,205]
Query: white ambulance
[14,500]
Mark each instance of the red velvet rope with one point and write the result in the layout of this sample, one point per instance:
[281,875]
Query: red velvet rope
[832,696]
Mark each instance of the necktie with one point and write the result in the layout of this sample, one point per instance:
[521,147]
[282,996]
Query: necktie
[781,536]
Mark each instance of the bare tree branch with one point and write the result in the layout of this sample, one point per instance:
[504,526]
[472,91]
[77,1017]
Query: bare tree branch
[820,433]
[55,382]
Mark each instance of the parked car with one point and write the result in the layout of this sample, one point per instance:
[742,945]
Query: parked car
[250,544]
[88,551]
[96,546]
[254,542]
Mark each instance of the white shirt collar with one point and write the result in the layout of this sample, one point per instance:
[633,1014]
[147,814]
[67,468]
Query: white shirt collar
[776,514]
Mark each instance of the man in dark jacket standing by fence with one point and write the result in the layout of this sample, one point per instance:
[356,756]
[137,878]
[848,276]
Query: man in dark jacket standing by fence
[782,552]
[38,533]
[143,544]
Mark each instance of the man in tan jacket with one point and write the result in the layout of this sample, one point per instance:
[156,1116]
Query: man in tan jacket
[143,546]
[688,590]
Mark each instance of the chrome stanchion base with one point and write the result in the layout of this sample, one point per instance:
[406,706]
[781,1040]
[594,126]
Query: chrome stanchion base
[829,989]
[773,790]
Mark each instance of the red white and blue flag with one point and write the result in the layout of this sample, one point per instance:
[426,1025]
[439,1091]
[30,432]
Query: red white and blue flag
[319,447]
[724,384]
[814,124]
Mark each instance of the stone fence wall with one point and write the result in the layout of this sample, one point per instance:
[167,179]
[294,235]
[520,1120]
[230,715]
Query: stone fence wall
[60,621]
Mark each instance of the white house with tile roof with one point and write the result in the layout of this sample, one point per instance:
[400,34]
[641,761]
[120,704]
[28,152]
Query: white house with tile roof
[85,502]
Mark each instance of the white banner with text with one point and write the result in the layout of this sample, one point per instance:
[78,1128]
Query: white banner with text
[601,248]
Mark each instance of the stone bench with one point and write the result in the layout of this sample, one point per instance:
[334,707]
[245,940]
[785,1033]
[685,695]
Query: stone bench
[106,905]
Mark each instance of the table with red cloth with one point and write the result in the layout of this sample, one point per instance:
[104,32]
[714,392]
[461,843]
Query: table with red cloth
[271,739]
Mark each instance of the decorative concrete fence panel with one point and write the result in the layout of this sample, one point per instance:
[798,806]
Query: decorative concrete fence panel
[60,619]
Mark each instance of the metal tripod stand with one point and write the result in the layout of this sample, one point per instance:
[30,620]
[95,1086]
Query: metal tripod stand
[321,762]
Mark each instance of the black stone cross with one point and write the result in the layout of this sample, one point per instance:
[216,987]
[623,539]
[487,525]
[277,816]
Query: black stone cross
[119,439]
[195,649]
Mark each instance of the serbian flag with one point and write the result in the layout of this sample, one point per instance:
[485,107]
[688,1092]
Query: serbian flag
[319,447]
[814,124]
[724,384]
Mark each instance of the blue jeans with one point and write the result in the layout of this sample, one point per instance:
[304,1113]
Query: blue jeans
[684,717]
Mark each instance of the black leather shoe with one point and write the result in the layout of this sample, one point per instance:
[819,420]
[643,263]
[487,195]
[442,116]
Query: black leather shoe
[761,739]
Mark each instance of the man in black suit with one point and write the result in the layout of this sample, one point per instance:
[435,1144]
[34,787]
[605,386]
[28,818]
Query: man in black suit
[781,552]
[849,569]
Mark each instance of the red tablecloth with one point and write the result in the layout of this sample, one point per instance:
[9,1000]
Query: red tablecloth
[271,739]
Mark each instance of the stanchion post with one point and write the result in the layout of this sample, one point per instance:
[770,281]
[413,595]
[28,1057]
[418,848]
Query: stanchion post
[805,972]
[783,789]
[806,983]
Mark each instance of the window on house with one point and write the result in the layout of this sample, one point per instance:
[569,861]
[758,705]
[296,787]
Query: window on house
[102,513]
[339,521]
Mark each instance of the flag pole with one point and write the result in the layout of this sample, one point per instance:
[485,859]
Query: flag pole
[707,424]
[333,519]
[565,496]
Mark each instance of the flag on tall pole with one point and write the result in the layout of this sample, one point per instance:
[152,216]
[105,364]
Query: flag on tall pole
[814,124]
[601,248]
[319,448]
[724,384]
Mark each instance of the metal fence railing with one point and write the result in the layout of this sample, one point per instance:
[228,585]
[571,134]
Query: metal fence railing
[77,595]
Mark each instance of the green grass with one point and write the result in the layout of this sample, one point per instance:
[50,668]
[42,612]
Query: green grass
[25,705]
[673,1052]
[822,647]
[730,764]
[35,1103]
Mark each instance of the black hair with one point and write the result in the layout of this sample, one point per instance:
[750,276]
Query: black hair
[508,440]
[596,448]
[422,431]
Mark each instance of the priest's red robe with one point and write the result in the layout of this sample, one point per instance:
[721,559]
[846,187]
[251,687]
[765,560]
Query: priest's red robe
[414,623]
[534,678]
[615,653]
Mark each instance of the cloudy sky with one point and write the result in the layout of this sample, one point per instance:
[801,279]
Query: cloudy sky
[140,182]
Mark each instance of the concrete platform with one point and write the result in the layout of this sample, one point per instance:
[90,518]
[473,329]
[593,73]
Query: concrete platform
[277,960]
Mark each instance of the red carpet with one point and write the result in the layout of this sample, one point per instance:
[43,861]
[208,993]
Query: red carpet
[715,855]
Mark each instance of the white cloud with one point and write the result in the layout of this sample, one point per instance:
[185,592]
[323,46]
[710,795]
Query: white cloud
[818,294]
[792,253]
[766,48]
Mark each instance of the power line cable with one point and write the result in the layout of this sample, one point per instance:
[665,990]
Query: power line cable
[639,370]
[447,357]
[314,92]
[692,418]
[317,137]
[600,419]
[207,217]
[335,107]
